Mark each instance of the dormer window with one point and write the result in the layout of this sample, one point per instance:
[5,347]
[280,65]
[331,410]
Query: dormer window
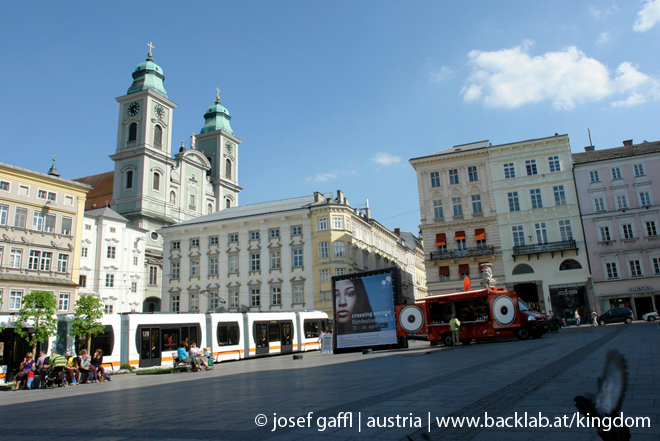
[132,132]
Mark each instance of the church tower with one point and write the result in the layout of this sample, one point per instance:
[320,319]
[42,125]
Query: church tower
[218,143]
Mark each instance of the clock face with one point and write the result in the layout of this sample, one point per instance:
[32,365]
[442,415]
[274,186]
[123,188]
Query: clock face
[133,109]
[160,111]
[229,148]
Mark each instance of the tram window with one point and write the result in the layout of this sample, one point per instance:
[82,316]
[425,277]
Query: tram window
[228,333]
[287,336]
[104,341]
[312,328]
[170,339]
[274,332]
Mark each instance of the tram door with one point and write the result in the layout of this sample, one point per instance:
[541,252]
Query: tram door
[261,337]
[149,346]
[287,337]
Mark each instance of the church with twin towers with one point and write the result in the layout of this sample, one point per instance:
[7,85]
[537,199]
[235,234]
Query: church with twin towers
[152,187]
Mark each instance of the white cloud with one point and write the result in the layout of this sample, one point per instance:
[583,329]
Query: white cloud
[439,75]
[385,159]
[604,37]
[600,13]
[648,16]
[511,78]
[324,177]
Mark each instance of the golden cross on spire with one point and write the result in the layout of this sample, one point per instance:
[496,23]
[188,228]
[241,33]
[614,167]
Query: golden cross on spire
[151,46]
[218,96]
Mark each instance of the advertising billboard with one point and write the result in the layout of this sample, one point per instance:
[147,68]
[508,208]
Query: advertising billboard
[364,310]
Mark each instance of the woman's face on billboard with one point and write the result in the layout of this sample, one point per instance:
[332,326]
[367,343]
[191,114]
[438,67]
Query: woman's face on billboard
[345,297]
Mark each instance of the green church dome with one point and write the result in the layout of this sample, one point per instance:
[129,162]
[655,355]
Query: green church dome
[217,118]
[148,75]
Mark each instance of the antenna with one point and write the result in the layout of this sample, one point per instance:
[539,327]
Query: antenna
[589,133]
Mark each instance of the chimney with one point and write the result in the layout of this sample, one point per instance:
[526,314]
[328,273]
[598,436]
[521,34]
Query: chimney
[590,148]
[318,197]
[340,197]
[627,143]
[397,231]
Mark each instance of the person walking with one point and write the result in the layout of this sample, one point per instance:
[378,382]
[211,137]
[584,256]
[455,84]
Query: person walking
[594,317]
[455,328]
[577,318]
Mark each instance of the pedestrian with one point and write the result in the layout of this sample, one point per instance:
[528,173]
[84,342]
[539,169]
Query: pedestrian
[455,327]
[594,317]
[577,318]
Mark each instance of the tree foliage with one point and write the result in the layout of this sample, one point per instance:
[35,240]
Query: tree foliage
[87,318]
[37,320]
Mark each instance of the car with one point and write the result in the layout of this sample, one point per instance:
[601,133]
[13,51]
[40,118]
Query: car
[651,316]
[616,315]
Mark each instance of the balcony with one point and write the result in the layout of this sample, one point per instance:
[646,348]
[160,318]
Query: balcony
[549,247]
[460,254]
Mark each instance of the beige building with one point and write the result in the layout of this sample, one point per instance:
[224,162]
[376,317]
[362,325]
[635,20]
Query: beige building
[458,216]
[41,221]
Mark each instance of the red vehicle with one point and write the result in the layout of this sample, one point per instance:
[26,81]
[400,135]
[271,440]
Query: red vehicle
[483,313]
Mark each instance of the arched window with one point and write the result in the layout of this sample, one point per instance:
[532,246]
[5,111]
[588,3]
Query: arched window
[209,209]
[158,136]
[569,264]
[132,132]
[172,198]
[129,179]
[523,268]
[228,169]
[228,203]
[156,183]
[209,172]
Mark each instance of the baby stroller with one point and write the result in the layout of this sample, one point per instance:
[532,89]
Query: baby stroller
[56,376]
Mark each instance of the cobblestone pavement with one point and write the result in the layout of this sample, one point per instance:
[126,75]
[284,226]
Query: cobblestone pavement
[352,394]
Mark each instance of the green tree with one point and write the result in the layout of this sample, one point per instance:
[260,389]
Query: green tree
[86,321]
[38,313]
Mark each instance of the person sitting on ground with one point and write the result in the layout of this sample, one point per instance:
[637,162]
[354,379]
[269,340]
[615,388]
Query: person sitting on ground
[97,362]
[185,358]
[197,353]
[72,371]
[86,365]
[25,368]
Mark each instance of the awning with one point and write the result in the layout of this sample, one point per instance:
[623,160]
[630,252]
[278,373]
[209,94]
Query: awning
[460,235]
[464,269]
[480,234]
[443,271]
[38,279]
[440,240]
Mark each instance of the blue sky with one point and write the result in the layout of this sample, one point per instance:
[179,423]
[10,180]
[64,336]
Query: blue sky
[329,95]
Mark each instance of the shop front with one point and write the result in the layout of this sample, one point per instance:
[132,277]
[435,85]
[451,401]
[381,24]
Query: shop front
[566,299]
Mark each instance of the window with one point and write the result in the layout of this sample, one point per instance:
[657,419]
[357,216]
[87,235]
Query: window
[194,302]
[530,167]
[15,257]
[554,164]
[275,260]
[324,250]
[158,136]
[340,271]
[463,271]
[135,260]
[111,252]
[443,272]
[194,243]
[656,266]
[339,249]
[650,228]
[109,280]
[298,258]
[38,221]
[541,233]
[62,263]
[214,300]
[437,210]
[254,235]
[480,237]
[296,231]
[227,203]
[298,296]
[635,268]
[255,297]
[213,266]
[176,245]
[639,169]
[593,176]
[435,179]
[621,201]
[233,298]
[15,300]
[536,198]
[33,260]
[175,268]
[453,177]
[156,181]
[213,240]
[275,295]
[49,224]
[134,287]
[458,206]
[4,213]
[627,231]
[326,295]
[128,183]
[274,234]
[20,217]
[233,264]
[82,281]
[233,238]
[605,234]
[88,227]
[612,272]
[518,235]
[4,185]
[560,196]
[176,302]
[645,198]
[473,176]
[514,203]
[476,204]
[337,223]
[509,170]
[324,275]
[41,194]
[192,204]
[132,132]
[172,197]
[228,169]
[322,223]
[194,268]
[46,258]
[255,264]
[599,204]
[2,249]
[66,226]
[565,230]
[616,173]
[153,275]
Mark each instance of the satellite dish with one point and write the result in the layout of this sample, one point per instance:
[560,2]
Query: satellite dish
[467,284]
